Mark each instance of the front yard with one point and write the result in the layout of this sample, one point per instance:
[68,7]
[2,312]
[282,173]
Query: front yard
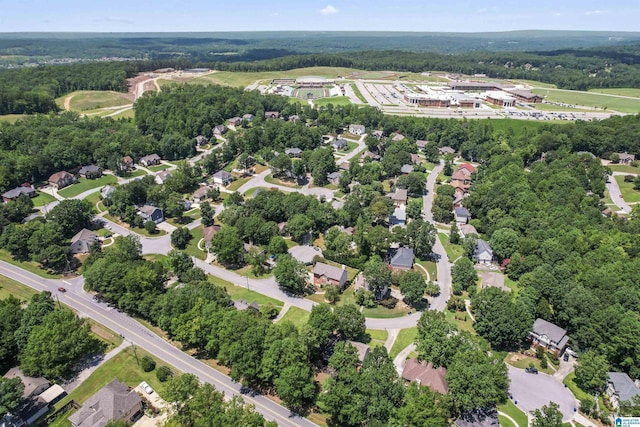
[522,361]
[86,184]
[453,251]
[297,316]
[626,188]
[405,337]
[42,199]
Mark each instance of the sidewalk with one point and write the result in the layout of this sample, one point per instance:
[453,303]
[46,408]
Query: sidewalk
[93,364]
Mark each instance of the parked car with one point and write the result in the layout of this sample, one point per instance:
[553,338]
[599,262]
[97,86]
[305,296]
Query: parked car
[146,387]
[61,289]
[531,370]
[565,357]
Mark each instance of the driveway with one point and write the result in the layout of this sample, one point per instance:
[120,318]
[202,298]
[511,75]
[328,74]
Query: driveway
[530,391]
[616,195]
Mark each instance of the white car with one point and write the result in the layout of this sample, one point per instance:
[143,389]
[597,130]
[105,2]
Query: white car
[146,387]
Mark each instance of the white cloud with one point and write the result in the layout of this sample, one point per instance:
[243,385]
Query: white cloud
[595,12]
[329,10]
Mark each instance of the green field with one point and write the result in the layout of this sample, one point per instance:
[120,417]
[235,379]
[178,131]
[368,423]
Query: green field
[310,93]
[626,188]
[297,316]
[42,199]
[405,337]
[192,248]
[30,266]
[620,91]
[228,78]
[551,107]
[12,118]
[335,100]
[453,251]
[18,290]
[624,168]
[126,114]
[83,100]
[514,412]
[86,184]
[590,99]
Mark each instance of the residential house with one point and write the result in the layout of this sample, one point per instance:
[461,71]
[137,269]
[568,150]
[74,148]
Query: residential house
[17,192]
[325,274]
[461,175]
[334,177]
[468,166]
[90,172]
[621,388]
[402,259]
[61,179]
[201,140]
[161,177]
[127,163]
[361,348]
[294,118]
[344,166]
[426,375]
[462,215]
[340,144]
[83,240]
[33,386]
[357,129]
[467,229]
[52,395]
[150,160]
[360,283]
[549,336]
[397,137]
[371,155]
[112,402]
[415,159]
[220,130]
[208,233]
[626,158]
[398,217]
[249,117]
[377,134]
[271,115]
[222,178]
[151,213]
[483,254]
[406,169]
[293,152]
[422,144]
[106,191]
[478,418]
[305,253]
[399,197]
[446,150]
[458,196]
[200,194]
[235,121]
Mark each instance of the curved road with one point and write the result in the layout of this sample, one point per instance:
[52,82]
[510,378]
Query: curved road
[615,194]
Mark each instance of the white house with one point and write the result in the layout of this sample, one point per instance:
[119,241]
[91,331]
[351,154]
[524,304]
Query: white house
[222,178]
[356,129]
[462,215]
[483,253]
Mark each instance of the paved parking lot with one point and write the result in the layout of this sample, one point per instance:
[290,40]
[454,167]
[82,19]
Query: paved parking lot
[532,391]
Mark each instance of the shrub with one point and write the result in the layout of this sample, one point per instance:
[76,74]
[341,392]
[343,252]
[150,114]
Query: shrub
[456,304]
[331,294]
[269,310]
[543,362]
[629,178]
[586,406]
[365,298]
[389,302]
[147,364]
[539,352]
[163,373]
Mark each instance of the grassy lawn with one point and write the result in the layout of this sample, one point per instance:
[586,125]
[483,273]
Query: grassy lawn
[238,292]
[18,290]
[522,361]
[228,78]
[126,114]
[453,251]
[577,391]
[250,192]
[42,199]
[620,91]
[385,313]
[136,173]
[515,288]
[346,297]
[188,217]
[624,105]
[552,107]
[463,325]
[96,202]
[192,249]
[405,337]
[124,367]
[271,180]
[238,183]
[297,316]
[105,334]
[30,266]
[624,168]
[378,334]
[350,147]
[505,422]
[626,188]
[335,100]
[142,231]
[92,99]
[158,168]
[431,267]
[87,184]
[159,258]
[12,118]
[514,412]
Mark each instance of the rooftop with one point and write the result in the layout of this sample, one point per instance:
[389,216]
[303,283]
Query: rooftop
[113,401]
[426,375]
[334,273]
[553,332]
[624,386]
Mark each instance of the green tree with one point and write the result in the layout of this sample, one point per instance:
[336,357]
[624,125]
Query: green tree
[350,322]
[422,407]
[322,323]
[377,276]
[412,286]
[382,387]
[10,316]
[463,274]
[331,294]
[295,385]
[548,416]
[454,234]
[180,237]
[281,164]
[150,227]
[436,340]
[504,242]
[414,208]
[207,214]
[591,371]
[10,394]
[298,227]
[277,245]
[413,182]
[290,274]
[256,258]
[72,215]
[39,306]
[422,236]
[228,246]
[180,388]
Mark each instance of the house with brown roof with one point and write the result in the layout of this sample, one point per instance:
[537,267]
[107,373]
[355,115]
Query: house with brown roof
[426,375]
[127,163]
[220,130]
[200,194]
[235,121]
[271,115]
[150,160]
[325,274]
[446,150]
[61,179]
[397,137]
[399,197]
[377,134]
[208,233]
[161,177]
[361,348]
[112,402]
[421,143]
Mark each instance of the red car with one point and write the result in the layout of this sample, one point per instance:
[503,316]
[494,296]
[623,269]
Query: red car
[61,289]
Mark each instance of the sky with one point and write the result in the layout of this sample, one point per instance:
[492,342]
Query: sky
[315,15]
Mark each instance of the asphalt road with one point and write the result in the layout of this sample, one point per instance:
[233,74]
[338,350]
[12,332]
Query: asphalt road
[120,323]
[616,195]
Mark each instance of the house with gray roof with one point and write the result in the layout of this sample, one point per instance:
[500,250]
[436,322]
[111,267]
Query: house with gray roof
[397,137]
[235,121]
[356,129]
[483,253]
[325,274]
[340,144]
[334,177]
[161,177]
[90,172]
[361,348]
[621,388]
[293,152]
[201,140]
[421,143]
[398,217]
[112,402]
[220,130]
[222,178]
[446,150]
[548,335]
[478,418]
[402,259]
[17,192]
[106,191]
[462,215]
[377,134]
[83,240]
[626,158]
[248,117]
[150,160]
[33,386]
[151,213]
[406,169]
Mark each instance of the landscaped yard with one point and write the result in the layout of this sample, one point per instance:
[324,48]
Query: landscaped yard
[192,249]
[250,192]
[163,259]
[18,290]
[431,267]
[453,251]
[42,199]
[158,168]
[96,202]
[240,293]
[514,412]
[580,394]
[624,168]
[405,337]
[30,266]
[381,312]
[272,180]
[346,297]
[297,316]
[238,183]
[187,217]
[86,184]
[626,188]
[466,324]
[522,361]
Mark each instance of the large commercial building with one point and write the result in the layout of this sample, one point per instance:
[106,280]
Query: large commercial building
[501,99]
